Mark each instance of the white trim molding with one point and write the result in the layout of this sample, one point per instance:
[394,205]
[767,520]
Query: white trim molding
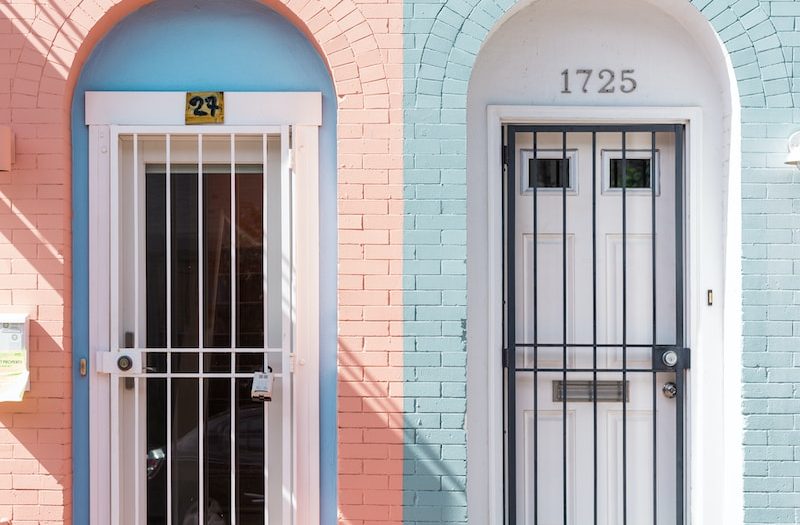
[714,421]
[296,117]
[166,108]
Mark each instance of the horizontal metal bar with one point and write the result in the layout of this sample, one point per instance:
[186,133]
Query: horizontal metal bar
[197,350]
[589,128]
[196,375]
[588,370]
[194,131]
[587,345]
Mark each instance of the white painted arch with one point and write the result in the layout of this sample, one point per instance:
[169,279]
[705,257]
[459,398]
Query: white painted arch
[684,75]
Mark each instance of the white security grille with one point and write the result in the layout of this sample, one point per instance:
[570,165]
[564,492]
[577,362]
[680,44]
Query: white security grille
[201,286]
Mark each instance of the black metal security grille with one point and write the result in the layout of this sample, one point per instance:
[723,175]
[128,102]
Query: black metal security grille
[585,372]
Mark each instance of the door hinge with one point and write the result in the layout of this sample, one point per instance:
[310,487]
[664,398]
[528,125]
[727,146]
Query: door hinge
[505,357]
[504,155]
[292,159]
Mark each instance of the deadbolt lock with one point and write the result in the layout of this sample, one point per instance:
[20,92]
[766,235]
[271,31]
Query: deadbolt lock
[124,363]
[670,358]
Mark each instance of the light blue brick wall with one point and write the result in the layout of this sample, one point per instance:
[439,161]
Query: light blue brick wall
[442,39]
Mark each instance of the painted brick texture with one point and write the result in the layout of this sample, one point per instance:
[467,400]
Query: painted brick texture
[42,48]
[442,39]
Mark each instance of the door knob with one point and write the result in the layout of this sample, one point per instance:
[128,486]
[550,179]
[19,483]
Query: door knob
[670,390]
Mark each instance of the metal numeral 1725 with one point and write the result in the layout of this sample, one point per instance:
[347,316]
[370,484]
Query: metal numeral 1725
[603,80]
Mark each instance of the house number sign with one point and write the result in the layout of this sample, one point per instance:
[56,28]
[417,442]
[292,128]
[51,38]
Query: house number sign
[598,80]
[205,107]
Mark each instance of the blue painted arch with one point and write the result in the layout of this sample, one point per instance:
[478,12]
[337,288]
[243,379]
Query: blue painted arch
[182,45]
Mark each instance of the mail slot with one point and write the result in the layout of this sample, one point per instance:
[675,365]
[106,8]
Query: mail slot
[578,391]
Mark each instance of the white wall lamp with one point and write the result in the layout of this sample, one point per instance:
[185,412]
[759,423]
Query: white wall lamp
[793,158]
[6,148]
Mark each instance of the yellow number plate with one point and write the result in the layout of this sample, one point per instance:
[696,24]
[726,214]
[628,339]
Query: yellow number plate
[205,107]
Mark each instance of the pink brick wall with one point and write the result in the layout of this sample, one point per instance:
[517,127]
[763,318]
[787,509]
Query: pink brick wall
[42,48]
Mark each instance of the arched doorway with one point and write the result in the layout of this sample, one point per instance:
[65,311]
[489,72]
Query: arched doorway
[561,93]
[193,444]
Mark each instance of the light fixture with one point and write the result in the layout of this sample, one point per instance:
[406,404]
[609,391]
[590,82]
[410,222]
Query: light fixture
[6,148]
[793,158]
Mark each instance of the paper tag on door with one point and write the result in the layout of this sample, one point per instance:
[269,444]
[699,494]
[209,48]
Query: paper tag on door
[262,386]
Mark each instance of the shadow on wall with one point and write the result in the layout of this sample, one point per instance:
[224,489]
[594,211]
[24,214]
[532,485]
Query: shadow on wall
[35,434]
[386,446]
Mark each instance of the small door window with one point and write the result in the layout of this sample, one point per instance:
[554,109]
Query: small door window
[546,170]
[634,172]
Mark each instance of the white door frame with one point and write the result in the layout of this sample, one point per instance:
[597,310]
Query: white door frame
[714,428]
[164,111]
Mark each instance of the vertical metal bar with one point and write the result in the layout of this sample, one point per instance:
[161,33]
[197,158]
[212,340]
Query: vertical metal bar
[653,171]
[116,509]
[535,328]
[201,411]
[136,425]
[511,353]
[287,344]
[234,497]
[679,327]
[136,454]
[264,290]
[594,325]
[234,406]
[564,316]
[504,314]
[114,328]
[234,268]
[168,236]
[624,335]
[136,218]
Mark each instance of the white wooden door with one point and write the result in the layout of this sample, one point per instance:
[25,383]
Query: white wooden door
[585,313]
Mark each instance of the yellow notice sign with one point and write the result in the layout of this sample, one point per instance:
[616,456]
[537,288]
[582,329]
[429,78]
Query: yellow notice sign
[205,107]
[13,374]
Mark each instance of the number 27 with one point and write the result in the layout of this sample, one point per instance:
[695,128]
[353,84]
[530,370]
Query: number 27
[627,83]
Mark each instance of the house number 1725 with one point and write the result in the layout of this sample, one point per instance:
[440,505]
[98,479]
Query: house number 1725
[604,80]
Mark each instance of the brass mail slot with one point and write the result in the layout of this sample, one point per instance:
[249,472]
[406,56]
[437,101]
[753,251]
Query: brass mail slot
[584,391]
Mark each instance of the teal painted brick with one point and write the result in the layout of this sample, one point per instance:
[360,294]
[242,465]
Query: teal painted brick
[440,312]
[414,421]
[439,344]
[450,297]
[453,421]
[454,374]
[447,499]
[767,391]
[441,405]
[454,359]
[446,437]
[411,328]
[454,389]
[420,389]
[415,359]
[769,516]
[436,85]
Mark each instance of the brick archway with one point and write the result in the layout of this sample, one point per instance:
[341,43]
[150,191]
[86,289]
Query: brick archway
[361,43]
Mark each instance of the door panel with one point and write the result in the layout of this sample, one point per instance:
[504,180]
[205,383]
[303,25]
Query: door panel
[593,288]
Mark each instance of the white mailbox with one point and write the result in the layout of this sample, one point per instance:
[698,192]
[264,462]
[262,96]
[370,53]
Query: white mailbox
[13,356]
